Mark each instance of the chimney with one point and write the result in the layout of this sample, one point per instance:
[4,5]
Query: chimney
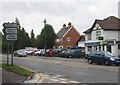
[69,24]
[64,25]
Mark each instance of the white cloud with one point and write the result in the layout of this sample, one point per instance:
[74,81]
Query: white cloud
[81,13]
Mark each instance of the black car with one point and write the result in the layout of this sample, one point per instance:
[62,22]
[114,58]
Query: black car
[75,53]
[103,57]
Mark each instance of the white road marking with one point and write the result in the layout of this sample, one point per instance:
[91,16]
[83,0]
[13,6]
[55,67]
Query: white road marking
[59,75]
[46,75]
[62,79]
[74,82]
[59,80]
[54,79]
[63,82]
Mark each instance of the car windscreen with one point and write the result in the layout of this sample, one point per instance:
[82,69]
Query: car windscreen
[108,54]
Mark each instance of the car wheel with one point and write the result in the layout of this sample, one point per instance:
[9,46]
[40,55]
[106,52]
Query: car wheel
[116,64]
[106,63]
[89,61]
[70,56]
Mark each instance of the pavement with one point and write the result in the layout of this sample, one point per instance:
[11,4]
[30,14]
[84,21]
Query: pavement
[10,77]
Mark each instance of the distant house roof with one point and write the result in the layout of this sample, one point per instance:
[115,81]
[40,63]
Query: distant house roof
[110,23]
[61,33]
[88,30]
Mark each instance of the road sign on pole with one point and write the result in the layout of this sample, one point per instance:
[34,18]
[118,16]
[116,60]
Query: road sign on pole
[11,37]
[11,30]
[10,25]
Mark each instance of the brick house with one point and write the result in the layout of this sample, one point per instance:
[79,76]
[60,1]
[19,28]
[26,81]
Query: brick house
[67,37]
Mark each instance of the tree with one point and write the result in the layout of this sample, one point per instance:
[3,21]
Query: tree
[32,34]
[4,44]
[32,38]
[23,39]
[47,37]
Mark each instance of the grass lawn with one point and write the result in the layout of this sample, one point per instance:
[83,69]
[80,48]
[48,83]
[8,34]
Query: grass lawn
[16,69]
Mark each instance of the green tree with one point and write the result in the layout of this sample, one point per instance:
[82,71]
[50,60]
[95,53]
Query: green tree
[47,37]
[4,44]
[32,38]
[23,39]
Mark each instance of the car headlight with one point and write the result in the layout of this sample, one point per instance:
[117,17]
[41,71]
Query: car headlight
[112,59]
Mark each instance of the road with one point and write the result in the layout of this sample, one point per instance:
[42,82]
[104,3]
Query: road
[74,70]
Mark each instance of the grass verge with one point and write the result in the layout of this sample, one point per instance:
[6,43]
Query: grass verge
[17,69]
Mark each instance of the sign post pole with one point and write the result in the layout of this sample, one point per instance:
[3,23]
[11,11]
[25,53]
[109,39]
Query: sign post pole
[8,53]
[10,32]
[12,54]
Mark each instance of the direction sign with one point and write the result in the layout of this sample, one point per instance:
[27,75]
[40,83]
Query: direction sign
[11,37]
[10,25]
[11,30]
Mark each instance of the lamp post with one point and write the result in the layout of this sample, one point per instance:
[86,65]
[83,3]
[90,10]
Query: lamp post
[45,35]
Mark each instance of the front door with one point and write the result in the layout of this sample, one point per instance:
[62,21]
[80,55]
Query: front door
[109,48]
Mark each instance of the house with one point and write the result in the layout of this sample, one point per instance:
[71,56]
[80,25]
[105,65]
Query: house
[81,41]
[67,37]
[103,35]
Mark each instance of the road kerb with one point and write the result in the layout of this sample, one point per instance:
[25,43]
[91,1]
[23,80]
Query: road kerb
[36,77]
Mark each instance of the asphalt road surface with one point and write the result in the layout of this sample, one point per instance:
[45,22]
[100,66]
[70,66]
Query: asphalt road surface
[76,70]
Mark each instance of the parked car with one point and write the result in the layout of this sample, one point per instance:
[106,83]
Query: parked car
[33,52]
[62,53]
[75,53]
[103,57]
[20,53]
[40,52]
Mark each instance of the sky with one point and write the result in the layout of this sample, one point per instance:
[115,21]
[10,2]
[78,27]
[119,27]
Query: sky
[81,13]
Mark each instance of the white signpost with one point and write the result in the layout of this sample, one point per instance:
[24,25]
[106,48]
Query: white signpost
[11,30]
[11,37]
[10,25]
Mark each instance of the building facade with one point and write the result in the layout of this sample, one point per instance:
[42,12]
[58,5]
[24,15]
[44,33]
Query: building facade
[67,37]
[104,36]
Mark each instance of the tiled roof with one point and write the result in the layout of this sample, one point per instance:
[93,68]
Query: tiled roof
[110,23]
[61,33]
[88,30]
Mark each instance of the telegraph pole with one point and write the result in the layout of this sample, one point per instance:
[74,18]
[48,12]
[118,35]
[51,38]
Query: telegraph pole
[45,35]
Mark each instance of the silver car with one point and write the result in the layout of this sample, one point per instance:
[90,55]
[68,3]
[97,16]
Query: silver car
[20,53]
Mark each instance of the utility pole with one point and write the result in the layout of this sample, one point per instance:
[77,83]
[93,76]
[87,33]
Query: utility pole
[45,35]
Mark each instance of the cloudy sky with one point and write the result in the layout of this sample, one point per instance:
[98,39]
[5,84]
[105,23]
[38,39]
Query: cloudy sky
[81,13]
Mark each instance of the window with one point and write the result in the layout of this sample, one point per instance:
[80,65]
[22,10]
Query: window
[118,46]
[98,34]
[89,36]
[68,39]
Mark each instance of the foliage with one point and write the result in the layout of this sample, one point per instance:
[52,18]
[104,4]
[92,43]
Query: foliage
[17,69]
[23,39]
[46,38]
[32,39]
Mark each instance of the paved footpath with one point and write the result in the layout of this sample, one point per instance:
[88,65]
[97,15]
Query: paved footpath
[10,77]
